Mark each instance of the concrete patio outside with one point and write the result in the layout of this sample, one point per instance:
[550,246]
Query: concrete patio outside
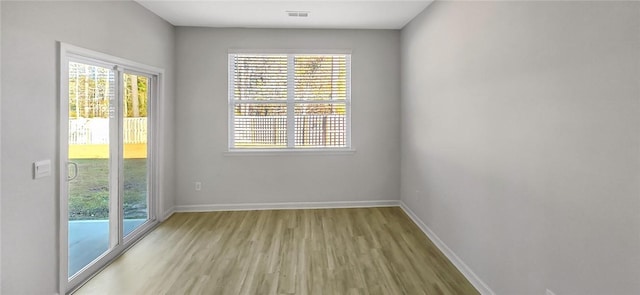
[89,239]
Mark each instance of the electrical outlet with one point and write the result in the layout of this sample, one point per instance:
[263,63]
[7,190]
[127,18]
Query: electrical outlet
[549,292]
[198,186]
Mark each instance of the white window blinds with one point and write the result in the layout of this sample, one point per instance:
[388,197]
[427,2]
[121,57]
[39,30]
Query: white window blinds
[289,101]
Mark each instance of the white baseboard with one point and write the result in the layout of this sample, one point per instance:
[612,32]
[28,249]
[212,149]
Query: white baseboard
[286,205]
[167,214]
[457,262]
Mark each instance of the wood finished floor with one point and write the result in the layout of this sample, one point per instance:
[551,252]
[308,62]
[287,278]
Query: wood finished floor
[327,251]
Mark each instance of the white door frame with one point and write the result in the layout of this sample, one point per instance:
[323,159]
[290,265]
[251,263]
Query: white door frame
[119,65]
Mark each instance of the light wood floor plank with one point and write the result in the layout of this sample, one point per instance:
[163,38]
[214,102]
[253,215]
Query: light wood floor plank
[328,251]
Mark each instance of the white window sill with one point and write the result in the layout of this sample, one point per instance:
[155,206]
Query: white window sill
[290,152]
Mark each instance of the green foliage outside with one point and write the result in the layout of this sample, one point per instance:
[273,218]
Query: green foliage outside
[89,192]
[91,88]
[317,77]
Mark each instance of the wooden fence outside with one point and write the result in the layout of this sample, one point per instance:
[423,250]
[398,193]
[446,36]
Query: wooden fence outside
[310,131]
[96,131]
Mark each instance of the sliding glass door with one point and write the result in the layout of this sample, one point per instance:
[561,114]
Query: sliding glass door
[92,143]
[107,195]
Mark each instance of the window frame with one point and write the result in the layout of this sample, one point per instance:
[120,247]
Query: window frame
[290,102]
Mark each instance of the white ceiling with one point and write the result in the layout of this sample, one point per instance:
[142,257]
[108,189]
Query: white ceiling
[328,14]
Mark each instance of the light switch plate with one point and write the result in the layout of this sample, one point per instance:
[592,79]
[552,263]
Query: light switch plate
[41,169]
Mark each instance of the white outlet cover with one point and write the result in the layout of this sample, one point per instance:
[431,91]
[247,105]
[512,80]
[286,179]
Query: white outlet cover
[41,169]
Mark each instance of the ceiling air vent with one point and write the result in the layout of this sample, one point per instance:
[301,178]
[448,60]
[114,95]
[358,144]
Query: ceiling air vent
[297,13]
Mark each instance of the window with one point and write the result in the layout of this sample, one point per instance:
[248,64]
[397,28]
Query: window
[289,101]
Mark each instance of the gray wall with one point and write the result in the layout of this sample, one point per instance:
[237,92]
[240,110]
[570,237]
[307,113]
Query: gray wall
[372,173]
[521,132]
[30,117]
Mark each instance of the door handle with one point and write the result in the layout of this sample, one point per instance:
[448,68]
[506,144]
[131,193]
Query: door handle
[75,171]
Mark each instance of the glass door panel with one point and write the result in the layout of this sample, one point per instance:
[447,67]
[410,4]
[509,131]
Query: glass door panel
[91,97]
[107,195]
[135,166]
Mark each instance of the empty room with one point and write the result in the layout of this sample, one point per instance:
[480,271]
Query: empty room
[320,147]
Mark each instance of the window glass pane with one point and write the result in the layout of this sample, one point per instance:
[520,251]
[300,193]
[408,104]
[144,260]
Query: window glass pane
[307,93]
[260,125]
[135,125]
[260,77]
[320,77]
[320,125]
[91,90]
